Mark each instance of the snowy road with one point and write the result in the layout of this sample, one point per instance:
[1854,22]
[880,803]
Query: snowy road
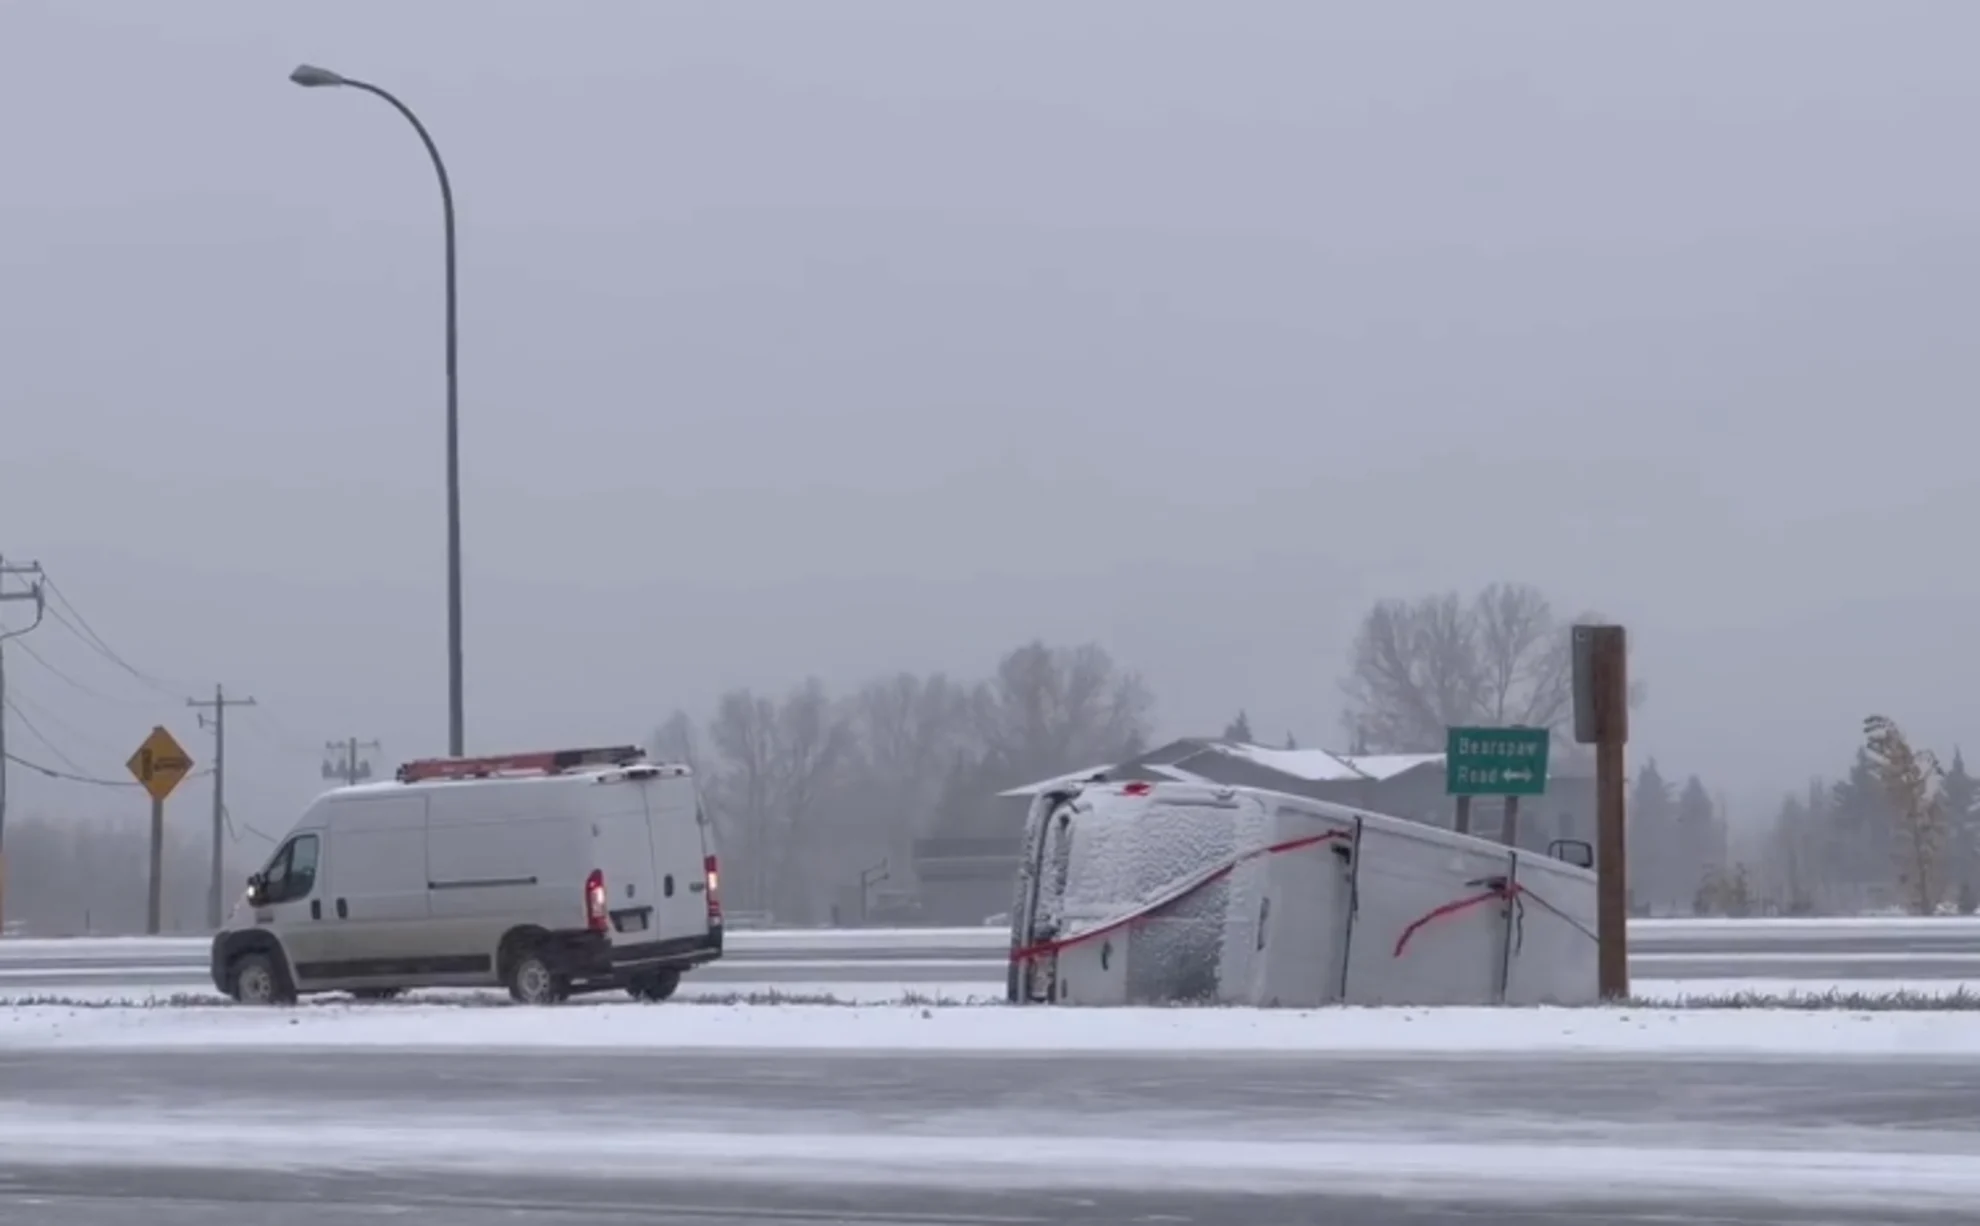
[143,1197]
[109,1137]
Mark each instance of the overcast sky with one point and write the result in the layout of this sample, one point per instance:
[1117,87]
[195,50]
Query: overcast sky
[834,338]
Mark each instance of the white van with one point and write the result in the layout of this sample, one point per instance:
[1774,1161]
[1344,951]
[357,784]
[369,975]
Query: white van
[550,874]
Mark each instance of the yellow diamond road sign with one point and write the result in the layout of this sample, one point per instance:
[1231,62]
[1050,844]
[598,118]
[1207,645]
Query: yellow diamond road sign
[159,764]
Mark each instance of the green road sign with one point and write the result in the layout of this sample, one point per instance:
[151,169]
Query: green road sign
[1496,761]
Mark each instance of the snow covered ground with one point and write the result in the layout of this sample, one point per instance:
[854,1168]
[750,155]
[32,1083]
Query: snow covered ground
[1014,1156]
[1756,1032]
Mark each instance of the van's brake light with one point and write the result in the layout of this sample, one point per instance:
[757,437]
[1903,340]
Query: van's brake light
[595,917]
[712,869]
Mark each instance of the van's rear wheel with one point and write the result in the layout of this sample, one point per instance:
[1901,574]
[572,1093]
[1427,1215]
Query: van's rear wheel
[259,980]
[532,982]
[654,985]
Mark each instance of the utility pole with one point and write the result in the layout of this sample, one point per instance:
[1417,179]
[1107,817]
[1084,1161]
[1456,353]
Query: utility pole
[218,722]
[344,765]
[31,571]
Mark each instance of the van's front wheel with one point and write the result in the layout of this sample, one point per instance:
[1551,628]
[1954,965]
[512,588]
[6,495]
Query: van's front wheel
[654,985]
[258,980]
[532,982]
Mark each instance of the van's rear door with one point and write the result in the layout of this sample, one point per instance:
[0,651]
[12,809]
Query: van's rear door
[622,850]
[681,848]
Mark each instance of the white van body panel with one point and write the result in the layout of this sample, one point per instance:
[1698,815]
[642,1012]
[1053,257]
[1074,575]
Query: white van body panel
[421,884]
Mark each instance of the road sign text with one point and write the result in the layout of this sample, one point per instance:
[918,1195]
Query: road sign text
[1496,761]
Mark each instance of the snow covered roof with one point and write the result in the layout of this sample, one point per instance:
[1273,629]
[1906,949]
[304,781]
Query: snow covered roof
[1314,765]
[1389,765]
[1311,765]
[1057,781]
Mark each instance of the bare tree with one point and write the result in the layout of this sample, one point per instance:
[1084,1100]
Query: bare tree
[909,731]
[678,741]
[1911,780]
[1054,709]
[1419,667]
[742,791]
[779,764]
[815,744]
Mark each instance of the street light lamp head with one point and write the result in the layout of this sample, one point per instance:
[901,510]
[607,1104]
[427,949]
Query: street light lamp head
[310,76]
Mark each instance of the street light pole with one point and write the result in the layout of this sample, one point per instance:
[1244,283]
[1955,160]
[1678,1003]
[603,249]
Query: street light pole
[312,78]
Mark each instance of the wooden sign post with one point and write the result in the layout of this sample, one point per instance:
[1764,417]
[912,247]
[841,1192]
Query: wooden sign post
[1601,718]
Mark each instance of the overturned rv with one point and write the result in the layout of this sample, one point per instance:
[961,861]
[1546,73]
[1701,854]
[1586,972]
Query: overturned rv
[1158,893]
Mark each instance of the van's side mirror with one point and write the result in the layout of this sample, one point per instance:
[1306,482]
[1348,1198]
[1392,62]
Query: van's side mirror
[255,886]
[1572,851]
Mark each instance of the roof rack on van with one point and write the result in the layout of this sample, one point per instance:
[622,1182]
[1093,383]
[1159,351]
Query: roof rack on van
[546,762]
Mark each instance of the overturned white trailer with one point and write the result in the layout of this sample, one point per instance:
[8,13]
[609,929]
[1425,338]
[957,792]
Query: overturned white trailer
[1157,893]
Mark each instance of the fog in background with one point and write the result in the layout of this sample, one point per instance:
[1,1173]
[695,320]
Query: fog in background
[831,341]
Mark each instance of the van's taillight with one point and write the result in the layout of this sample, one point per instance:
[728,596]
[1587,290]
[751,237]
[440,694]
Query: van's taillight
[714,891]
[594,902]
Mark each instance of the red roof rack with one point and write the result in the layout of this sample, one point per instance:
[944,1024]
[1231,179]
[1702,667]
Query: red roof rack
[546,762]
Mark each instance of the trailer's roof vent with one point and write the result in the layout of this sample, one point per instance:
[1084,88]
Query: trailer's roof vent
[544,762]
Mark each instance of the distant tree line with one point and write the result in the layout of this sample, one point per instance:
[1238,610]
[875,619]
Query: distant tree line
[810,790]
[817,795]
[1896,830]
[91,874]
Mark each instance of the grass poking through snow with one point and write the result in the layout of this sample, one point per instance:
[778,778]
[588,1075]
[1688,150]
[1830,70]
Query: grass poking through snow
[1835,999]
[1832,1000]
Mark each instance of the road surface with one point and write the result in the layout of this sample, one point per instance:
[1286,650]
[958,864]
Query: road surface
[324,1137]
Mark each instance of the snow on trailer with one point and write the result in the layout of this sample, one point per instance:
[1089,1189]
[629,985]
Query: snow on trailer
[1153,893]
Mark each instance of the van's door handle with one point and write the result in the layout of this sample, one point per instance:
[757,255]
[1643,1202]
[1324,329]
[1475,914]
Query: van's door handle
[316,908]
[343,910]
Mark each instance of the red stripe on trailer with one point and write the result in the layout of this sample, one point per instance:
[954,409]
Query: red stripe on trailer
[542,762]
[1498,889]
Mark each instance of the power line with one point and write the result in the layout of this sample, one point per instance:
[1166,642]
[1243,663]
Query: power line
[70,777]
[8,702]
[283,736]
[71,682]
[76,777]
[91,643]
[234,831]
[81,628]
[47,716]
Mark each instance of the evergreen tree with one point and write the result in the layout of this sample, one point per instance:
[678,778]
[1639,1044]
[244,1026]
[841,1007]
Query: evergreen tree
[1919,827]
[1861,845]
[1239,729]
[1290,743]
[1698,836]
[1652,839]
[1792,858]
[1959,792]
